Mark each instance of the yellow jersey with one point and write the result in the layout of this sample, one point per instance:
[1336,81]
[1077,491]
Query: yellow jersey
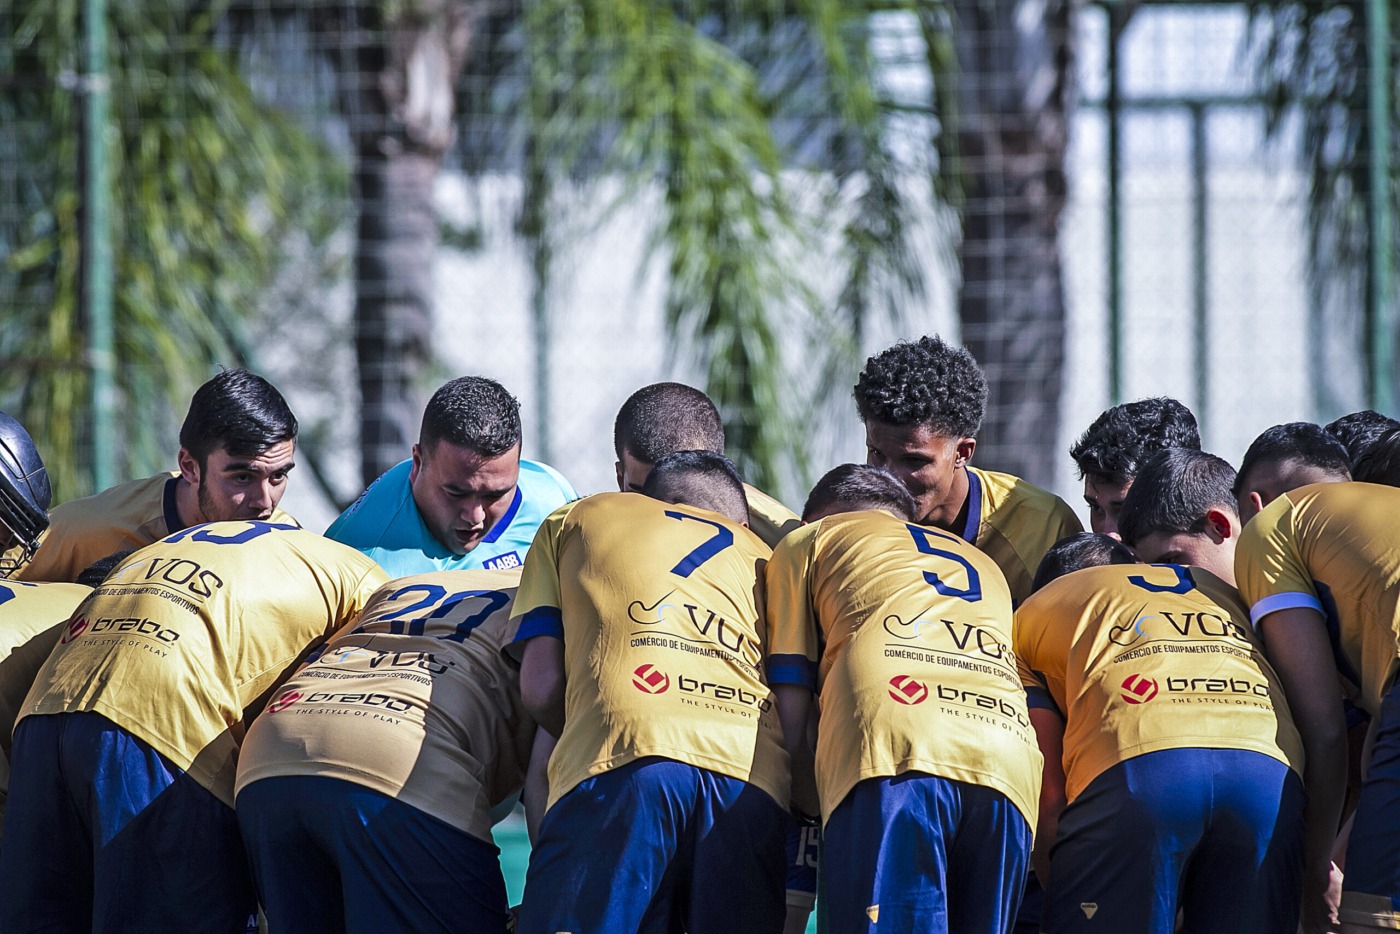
[1014,522]
[1141,658]
[908,632]
[658,609]
[31,618]
[126,517]
[1335,548]
[185,634]
[413,699]
[769,519]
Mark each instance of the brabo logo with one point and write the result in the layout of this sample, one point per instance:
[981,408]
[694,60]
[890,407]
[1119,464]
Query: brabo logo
[650,680]
[74,630]
[283,702]
[1138,690]
[906,690]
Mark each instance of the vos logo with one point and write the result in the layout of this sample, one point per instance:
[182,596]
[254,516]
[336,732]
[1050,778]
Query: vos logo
[283,702]
[650,680]
[73,630]
[1138,690]
[906,690]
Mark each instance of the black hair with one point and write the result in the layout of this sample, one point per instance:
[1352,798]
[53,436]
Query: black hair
[699,478]
[471,412]
[24,495]
[860,486]
[1121,438]
[94,574]
[1301,442]
[238,411]
[1173,492]
[1077,551]
[663,418]
[925,382]
[1359,430]
[1380,463]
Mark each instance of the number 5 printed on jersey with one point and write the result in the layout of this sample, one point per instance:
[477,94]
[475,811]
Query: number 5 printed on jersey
[923,540]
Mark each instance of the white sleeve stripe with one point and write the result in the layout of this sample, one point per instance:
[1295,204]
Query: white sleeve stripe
[1284,601]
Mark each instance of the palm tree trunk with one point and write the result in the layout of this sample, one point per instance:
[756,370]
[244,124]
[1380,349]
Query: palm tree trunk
[401,92]
[1013,124]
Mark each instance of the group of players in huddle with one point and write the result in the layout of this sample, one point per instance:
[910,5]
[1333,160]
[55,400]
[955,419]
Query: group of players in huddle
[981,717]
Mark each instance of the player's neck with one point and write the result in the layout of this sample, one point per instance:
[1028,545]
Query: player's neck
[187,504]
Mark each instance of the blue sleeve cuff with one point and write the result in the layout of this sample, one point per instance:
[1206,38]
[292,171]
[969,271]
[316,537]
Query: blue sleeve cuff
[791,669]
[1039,697]
[1355,716]
[541,621]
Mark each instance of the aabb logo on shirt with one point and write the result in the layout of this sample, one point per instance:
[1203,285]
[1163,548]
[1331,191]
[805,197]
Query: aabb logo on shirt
[74,629]
[650,680]
[1138,690]
[283,702]
[908,691]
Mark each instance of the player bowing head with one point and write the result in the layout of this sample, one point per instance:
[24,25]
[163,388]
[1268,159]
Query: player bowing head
[700,479]
[1359,430]
[1181,510]
[1284,458]
[465,499]
[1113,448]
[853,487]
[664,418]
[922,404]
[1076,552]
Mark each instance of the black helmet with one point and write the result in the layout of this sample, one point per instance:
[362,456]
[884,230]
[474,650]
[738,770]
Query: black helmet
[24,491]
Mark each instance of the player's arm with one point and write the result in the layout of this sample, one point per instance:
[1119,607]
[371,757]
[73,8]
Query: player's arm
[536,792]
[794,703]
[1050,735]
[542,682]
[1295,640]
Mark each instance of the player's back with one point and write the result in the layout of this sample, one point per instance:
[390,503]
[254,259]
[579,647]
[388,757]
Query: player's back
[917,671]
[185,633]
[662,635]
[413,698]
[1142,658]
[1334,547]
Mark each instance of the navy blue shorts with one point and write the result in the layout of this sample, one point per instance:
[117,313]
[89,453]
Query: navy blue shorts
[657,846]
[921,853]
[1371,890]
[333,856]
[1217,833]
[804,849]
[102,833]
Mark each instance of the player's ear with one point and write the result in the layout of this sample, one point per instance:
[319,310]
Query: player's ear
[417,463]
[964,451]
[617,468]
[189,466]
[1257,501]
[1221,525]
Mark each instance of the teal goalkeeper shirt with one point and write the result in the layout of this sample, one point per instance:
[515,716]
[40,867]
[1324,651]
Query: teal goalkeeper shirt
[384,523]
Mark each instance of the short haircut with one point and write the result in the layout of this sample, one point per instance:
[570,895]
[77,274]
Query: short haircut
[663,418]
[1381,461]
[1121,438]
[699,478]
[1078,551]
[1359,430]
[925,382]
[1173,492]
[94,574]
[1300,442]
[238,411]
[472,412]
[860,486]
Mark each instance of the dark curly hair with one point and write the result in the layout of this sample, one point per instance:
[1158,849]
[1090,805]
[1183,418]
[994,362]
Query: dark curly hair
[1301,442]
[925,382]
[1121,438]
[1359,430]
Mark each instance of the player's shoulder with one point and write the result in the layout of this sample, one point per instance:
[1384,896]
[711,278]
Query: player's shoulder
[1007,493]
[144,494]
[538,479]
[376,509]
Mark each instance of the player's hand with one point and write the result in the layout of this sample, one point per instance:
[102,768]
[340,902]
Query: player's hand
[1321,901]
